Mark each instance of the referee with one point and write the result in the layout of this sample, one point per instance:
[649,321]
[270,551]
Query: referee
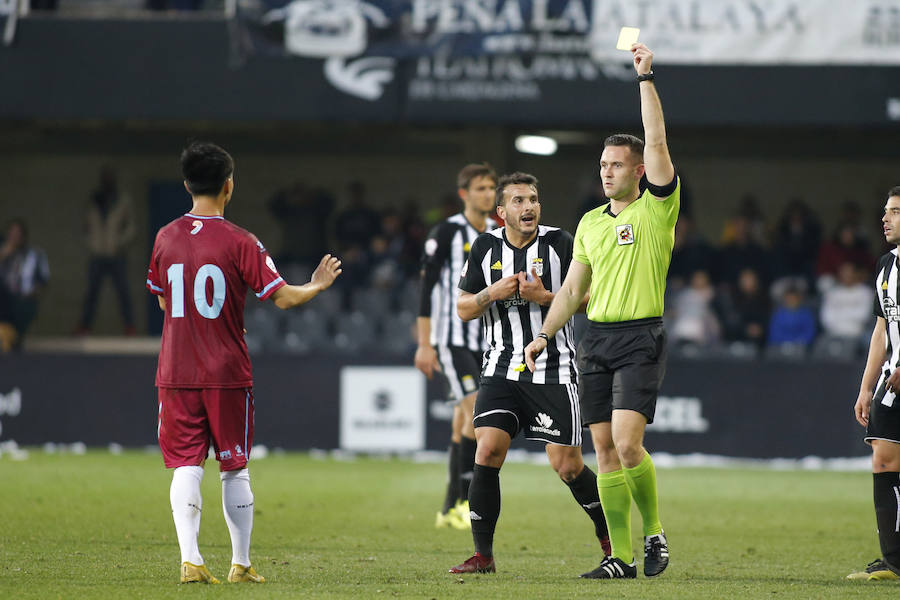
[622,253]
[878,408]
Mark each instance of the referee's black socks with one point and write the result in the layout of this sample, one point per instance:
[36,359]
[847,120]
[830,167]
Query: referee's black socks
[584,489]
[887,515]
[484,507]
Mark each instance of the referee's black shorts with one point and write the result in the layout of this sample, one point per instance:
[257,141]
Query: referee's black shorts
[621,366]
[884,415]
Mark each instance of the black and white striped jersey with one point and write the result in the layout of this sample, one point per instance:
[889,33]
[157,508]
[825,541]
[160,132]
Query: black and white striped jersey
[510,325]
[443,258]
[887,287]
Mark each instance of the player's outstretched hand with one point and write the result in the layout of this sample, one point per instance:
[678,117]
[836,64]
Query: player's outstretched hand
[532,290]
[643,58]
[861,409]
[533,350]
[426,360]
[327,271]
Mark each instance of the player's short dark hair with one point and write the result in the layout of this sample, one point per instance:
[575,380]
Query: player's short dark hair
[635,144]
[514,179]
[469,172]
[894,191]
[205,167]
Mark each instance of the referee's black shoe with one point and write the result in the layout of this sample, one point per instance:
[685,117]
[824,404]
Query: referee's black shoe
[612,568]
[656,554]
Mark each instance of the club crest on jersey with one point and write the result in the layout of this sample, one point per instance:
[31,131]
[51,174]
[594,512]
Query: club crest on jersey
[624,234]
[538,265]
[197,226]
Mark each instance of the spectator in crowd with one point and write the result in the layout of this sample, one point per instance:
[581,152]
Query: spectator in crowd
[414,234]
[797,239]
[301,213]
[693,320]
[748,222]
[24,271]
[690,254]
[847,245]
[357,224]
[793,322]
[745,312]
[847,305]
[743,251]
[109,228]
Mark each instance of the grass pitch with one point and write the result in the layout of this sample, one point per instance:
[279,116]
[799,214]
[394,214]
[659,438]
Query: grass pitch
[99,526]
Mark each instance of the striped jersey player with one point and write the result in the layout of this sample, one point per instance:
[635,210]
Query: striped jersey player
[509,281]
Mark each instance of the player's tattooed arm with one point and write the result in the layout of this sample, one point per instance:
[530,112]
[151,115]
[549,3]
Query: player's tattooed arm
[471,306]
[483,298]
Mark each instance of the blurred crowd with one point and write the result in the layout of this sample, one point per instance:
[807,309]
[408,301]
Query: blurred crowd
[767,285]
[781,288]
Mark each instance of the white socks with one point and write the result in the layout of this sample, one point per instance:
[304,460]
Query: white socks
[186,506]
[237,502]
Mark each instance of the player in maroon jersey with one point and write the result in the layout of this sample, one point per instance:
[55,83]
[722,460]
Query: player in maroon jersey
[200,271]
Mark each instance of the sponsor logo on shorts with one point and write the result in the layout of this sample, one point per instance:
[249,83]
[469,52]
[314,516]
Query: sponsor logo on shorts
[225,455]
[468,383]
[624,234]
[238,451]
[544,422]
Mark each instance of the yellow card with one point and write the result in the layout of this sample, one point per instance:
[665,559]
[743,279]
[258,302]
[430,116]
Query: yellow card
[627,37]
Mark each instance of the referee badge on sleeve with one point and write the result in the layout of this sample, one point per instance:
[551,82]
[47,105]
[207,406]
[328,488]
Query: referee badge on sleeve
[624,234]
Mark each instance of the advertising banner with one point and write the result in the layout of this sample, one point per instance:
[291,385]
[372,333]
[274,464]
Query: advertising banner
[511,50]
[382,409]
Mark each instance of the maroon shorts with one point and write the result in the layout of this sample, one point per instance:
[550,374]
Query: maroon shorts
[190,419]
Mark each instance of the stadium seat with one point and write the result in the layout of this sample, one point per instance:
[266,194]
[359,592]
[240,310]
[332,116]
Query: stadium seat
[306,331]
[353,332]
[372,302]
[835,348]
[398,333]
[782,352]
[263,325]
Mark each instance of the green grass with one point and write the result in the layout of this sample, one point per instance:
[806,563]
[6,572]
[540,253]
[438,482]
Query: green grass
[99,526]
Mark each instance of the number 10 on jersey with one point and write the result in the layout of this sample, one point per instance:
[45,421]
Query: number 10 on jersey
[175,274]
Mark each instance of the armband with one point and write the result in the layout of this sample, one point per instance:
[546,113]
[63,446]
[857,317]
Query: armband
[663,191]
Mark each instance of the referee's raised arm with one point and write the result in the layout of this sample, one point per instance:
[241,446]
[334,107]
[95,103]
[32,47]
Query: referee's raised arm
[657,162]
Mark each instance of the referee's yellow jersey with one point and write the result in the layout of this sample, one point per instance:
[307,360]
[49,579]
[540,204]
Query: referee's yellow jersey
[629,256]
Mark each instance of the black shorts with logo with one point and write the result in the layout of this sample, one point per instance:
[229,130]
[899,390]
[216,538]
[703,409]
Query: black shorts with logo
[543,411]
[621,366]
[461,368]
[884,419]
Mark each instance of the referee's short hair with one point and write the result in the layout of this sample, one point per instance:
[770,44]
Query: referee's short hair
[514,179]
[894,191]
[635,144]
[205,167]
[469,172]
